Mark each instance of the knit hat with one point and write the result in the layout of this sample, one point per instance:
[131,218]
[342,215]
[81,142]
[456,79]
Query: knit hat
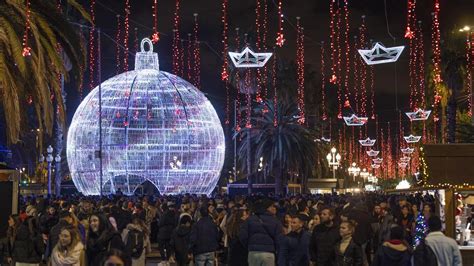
[30,210]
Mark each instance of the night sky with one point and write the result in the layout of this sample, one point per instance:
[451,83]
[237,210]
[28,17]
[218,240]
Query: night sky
[314,18]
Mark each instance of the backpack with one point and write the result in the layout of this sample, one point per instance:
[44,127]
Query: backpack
[135,243]
[424,255]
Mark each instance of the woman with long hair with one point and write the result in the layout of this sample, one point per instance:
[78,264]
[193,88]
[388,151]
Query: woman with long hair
[14,222]
[237,252]
[136,237]
[348,253]
[101,238]
[69,251]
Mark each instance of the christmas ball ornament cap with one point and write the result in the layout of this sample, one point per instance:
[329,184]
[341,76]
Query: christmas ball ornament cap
[146,59]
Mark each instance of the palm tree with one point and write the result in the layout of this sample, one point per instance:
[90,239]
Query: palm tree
[35,77]
[286,146]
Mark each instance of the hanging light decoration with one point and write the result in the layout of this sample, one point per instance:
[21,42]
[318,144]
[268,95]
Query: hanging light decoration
[347,93]
[411,18]
[92,43]
[333,36]
[323,83]
[380,54]
[176,39]
[412,139]
[300,70]
[419,115]
[155,37]
[280,39]
[435,41]
[407,150]
[26,48]
[372,153]
[126,35]
[367,142]
[354,120]
[197,54]
[469,68]
[225,45]
[118,50]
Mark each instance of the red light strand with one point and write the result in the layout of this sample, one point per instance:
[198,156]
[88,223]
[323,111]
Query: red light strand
[347,52]
[126,35]
[421,67]
[323,83]
[238,85]
[225,45]
[469,68]
[197,54]
[118,50]
[155,37]
[372,92]
[176,40]
[363,70]
[275,92]
[92,44]
[189,48]
[411,18]
[300,70]
[26,48]
[280,39]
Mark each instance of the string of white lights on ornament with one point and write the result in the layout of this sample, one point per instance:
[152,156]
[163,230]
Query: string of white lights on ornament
[26,48]
[126,35]
[155,37]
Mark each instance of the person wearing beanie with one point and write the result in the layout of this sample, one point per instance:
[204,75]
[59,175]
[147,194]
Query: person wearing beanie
[204,239]
[395,251]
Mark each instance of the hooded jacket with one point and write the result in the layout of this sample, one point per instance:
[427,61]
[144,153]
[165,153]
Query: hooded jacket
[322,244]
[180,243]
[392,253]
[260,232]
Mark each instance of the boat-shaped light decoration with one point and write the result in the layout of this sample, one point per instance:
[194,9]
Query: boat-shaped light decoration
[407,150]
[377,160]
[248,58]
[372,153]
[412,139]
[354,120]
[367,142]
[419,115]
[380,54]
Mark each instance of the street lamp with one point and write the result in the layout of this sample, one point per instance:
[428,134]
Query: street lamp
[364,174]
[465,29]
[49,159]
[334,161]
[353,170]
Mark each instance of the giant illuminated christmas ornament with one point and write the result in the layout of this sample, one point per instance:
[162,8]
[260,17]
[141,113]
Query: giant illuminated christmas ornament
[418,115]
[156,127]
[248,58]
[412,139]
[354,120]
[380,54]
[367,142]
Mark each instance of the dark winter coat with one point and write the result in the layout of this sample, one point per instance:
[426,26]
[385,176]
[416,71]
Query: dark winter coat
[352,255]
[238,254]
[392,254]
[47,222]
[166,225]
[363,231]
[294,249]
[322,244]
[261,233]
[180,244]
[99,246]
[28,246]
[123,218]
[205,236]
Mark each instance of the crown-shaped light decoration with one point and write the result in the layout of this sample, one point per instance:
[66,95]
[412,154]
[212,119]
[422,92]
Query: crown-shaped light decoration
[419,115]
[372,153]
[375,166]
[354,120]
[367,142]
[248,58]
[402,165]
[412,139]
[405,159]
[407,150]
[377,160]
[380,54]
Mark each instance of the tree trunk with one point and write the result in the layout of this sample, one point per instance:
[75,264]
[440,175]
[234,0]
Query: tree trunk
[249,166]
[59,144]
[451,118]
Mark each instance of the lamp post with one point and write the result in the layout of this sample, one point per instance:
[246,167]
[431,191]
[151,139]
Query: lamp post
[353,171]
[49,159]
[334,160]
[364,174]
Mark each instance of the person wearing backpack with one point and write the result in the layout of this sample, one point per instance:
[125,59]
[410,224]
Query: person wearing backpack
[395,251]
[136,238]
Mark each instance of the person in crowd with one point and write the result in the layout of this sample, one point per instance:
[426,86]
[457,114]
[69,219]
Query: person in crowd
[101,238]
[324,238]
[316,220]
[150,212]
[238,254]
[444,248]
[260,232]
[406,221]
[294,247]
[69,250]
[124,216]
[293,207]
[286,224]
[115,257]
[166,226]
[180,241]
[386,223]
[394,252]
[65,218]
[13,225]
[28,245]
[204,239]
[48,220]
[136,238]
[347,251]
[363,230]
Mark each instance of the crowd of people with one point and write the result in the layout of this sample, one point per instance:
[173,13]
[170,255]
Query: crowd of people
[323,230]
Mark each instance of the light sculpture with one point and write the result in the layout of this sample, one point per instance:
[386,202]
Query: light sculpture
[372,153]
[248,58]
[403,185]
[412,139]
[405,159]
[377,160]
[354,120]
[419,115]
[367,142]
[156,127]
[380,54]
[408,150]
[375,166]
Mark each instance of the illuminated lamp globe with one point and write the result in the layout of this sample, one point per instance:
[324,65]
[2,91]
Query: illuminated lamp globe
[156,127]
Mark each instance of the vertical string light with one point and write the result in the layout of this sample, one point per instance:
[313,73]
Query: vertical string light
[118,50]
[332,36]
[238,85]
[258,41]
[363,69]
[280,39]
[436,58]
[323,83]
[181,58]
[92,44]
[135,46]
[264,46]
[413,72]
[247,85]
[189,68]
[225,45]
[420,66]
[356,84]
[26,48]
[126,35]
[411,18]
[155,37]
[372,92]
[300,70]
[347,53]
[197,54]
[469,68]
[176,39]
[275,91]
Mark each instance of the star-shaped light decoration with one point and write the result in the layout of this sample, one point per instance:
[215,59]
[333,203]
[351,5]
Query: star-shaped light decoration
[377,160]
[408,150]
[367,142]
[354,120]
[402,165]
[375,166]
[248,58]
[405,159]
[380,54]
[418,115]
[412,139]
[372,153]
